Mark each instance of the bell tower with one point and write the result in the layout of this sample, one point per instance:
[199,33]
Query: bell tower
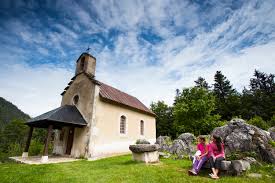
[86,63]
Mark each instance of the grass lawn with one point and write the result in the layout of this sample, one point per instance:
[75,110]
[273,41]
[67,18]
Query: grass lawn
[118,169]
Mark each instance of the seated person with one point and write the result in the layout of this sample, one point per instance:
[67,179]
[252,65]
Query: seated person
[200,156]
[216,156]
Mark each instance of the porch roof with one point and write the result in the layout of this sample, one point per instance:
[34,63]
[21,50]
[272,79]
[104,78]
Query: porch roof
[67,115]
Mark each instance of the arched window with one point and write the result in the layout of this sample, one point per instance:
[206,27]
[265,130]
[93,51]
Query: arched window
[122,128]
[82,63]
[141,127]
[75,99]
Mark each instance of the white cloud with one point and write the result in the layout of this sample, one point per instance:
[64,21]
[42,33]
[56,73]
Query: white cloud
[177,60]
[34,90]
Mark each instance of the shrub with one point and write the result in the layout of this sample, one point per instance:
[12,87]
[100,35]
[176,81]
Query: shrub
[272,143]
[259,122]
[271,122]
[240,155]
[36,148]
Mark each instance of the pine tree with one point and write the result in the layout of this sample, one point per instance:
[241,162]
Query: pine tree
[222,86]
[227,99]
[201,83]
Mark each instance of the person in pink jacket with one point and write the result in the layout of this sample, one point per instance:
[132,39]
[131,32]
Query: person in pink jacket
[200,157]
[216,156]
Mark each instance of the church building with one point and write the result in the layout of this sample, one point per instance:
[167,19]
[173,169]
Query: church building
[94,120]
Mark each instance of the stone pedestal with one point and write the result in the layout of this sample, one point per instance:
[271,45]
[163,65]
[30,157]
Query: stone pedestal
[44,159]
[147,157]
[145,153]
[25,154]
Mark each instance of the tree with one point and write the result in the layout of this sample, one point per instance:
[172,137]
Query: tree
[200,82]
[227,99]
[193,111]
[13,133]
[259,99]
[164,119]
[222,86]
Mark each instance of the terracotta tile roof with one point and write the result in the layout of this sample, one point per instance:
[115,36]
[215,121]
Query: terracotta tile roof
[114,95]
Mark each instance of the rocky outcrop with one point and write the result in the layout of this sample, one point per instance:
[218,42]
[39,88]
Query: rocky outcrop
[238,136]
[182,146]
[272,132]
[164,143]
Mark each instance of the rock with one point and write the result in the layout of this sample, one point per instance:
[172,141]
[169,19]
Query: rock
[187,138]
[140,148]
[142,141]
[254,175]
[164,142]
[183,145]
[164,155]
[239,136]
[272,132]
[225,165]
[250,160]
[238,166]
[181,148]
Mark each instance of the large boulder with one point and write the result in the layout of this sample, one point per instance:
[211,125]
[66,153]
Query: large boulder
[238,136]
[239,166]
[183,145]
[164,143]
[272,132]
[187,138]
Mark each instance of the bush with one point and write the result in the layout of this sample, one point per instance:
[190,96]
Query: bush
[14,149]
[36,148]
[240,155]
[259,122]
[272,143]
[271,122]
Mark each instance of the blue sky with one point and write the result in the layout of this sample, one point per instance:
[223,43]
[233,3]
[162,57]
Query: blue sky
[145,48]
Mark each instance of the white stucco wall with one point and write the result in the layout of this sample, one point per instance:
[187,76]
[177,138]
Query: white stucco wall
[105,136]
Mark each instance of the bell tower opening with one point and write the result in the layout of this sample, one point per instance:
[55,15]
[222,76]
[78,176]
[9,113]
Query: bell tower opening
[86,63]
[82,63]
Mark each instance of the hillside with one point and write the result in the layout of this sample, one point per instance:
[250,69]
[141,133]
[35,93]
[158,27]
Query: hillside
[9,111]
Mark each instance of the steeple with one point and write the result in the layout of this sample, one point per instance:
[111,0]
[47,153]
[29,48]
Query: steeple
[86,63]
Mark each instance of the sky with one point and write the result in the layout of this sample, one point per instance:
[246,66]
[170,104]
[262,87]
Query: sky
[146,48]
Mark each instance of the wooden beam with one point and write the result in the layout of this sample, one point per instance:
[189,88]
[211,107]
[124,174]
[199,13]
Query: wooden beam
[28,140]
[45,151]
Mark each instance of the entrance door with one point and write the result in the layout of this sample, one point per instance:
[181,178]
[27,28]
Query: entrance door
[70,141]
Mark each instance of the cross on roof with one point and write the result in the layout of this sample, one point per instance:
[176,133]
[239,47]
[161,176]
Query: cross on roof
[88,49]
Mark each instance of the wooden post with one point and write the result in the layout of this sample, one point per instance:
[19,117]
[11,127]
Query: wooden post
[26,150]
[45,151]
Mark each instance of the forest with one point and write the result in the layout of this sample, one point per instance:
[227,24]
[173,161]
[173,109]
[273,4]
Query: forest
[13,132]
[201,108]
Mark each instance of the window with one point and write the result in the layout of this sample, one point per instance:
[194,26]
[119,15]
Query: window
[82,63]
[141,127]
[75,99]
[122,128]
